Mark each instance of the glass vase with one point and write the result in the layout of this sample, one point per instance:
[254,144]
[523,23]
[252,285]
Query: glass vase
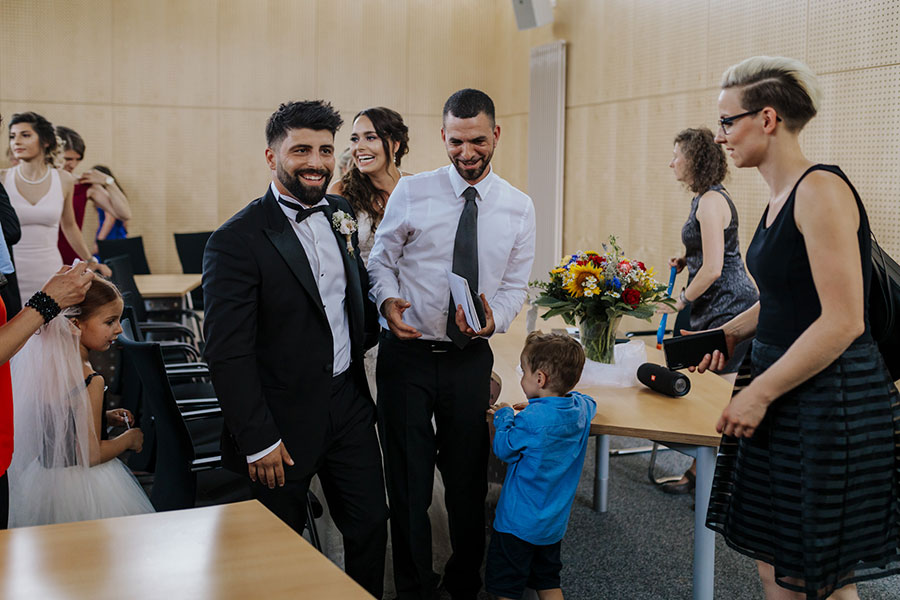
[599,339]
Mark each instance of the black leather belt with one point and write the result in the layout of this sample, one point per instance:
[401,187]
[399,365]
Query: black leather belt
[420,344]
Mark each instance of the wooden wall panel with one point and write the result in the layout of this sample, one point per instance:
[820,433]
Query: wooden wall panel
[54,51]
[511,156]
[267,52]
[362,56]
[738,30]
[242,170]
[599,58]
[178,186]
[669,46]
[426,150]
[451,47]
[853,34]
[164,52]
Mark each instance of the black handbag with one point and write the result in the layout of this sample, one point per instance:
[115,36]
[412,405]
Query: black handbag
[884,307]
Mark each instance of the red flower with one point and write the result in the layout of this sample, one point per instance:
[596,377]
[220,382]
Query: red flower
[597,260]
[581,262]
[641,266]
[631,296]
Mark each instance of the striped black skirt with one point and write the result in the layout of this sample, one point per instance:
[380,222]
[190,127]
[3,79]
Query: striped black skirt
[814,492]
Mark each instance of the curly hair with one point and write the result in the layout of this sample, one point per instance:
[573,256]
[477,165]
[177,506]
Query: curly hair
[45,132]
[357,188]
[705,158]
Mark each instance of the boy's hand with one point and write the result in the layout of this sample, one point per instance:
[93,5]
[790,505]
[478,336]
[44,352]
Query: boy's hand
[520,405]
[495,407]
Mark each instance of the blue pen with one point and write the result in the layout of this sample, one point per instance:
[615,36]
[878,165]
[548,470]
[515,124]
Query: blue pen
[662,322]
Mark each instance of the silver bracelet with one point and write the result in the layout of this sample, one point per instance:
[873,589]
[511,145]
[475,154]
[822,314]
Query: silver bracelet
[684,301]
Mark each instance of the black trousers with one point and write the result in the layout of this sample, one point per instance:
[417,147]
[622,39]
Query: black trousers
[351,475]
[4,501]
[418,380]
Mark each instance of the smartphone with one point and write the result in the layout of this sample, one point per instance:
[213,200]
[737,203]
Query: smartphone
[689,350]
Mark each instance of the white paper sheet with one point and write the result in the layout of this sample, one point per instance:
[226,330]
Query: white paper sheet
[459,289]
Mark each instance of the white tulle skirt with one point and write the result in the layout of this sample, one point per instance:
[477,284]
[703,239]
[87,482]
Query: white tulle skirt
[41,496]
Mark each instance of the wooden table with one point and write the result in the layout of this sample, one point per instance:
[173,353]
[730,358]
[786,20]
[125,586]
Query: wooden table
[176,285]
[234,551]
[686,424]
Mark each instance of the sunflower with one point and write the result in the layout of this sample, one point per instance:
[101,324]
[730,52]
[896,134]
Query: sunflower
[583,280]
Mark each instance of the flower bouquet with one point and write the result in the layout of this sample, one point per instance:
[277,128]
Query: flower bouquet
[595,290]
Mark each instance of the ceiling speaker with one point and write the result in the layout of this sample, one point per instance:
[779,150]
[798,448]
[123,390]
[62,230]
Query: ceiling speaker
[532,13]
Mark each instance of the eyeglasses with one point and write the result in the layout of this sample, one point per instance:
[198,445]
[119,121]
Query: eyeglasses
[726,122]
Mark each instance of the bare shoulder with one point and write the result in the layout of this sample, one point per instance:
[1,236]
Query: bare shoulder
[336,187]
[712,205]
[66,178]
[824,196]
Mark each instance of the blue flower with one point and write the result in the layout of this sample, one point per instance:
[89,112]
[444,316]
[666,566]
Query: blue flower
[616,284]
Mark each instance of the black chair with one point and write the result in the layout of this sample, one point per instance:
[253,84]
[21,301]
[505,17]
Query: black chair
[190,247]
[179,459]
[159,323]
[132,247]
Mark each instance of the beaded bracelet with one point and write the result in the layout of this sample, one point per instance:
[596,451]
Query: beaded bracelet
[45,305]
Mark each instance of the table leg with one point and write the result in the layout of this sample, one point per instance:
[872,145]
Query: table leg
[601,476]
[704,538]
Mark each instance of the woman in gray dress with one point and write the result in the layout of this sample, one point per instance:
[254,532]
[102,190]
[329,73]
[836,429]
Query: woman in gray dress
[718,287]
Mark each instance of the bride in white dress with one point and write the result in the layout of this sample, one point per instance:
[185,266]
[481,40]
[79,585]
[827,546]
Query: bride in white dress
[42,198]
[62,470]
[378,142]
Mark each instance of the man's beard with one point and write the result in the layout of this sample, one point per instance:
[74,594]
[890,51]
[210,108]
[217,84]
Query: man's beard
[305,193]
[471,174]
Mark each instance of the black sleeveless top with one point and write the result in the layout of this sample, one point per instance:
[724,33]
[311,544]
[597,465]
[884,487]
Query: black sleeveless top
[777,259]
[103,423]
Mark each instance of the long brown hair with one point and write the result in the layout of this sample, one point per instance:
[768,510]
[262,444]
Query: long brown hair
[357,188]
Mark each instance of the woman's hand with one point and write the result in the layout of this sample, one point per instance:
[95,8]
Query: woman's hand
[120,417]
[101,268]
[93,177]
[743,414]
[678,262]
[716,361]
[668,309]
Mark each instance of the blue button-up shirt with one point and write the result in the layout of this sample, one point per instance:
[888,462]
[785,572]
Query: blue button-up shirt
[544,446]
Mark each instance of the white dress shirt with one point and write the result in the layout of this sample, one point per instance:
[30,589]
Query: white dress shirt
[327,265]
[413,249]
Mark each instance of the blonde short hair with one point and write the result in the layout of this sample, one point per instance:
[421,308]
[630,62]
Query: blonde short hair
[785,84]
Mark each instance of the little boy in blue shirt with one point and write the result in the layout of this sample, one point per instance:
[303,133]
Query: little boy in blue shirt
[544,446]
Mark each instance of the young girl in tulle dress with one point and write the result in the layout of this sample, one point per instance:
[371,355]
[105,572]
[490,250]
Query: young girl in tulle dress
[64,468]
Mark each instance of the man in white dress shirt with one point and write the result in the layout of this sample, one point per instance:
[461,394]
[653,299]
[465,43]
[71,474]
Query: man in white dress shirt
[287,323]
[464,218]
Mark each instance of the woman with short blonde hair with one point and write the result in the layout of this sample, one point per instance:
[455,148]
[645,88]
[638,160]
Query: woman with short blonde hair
[807,476]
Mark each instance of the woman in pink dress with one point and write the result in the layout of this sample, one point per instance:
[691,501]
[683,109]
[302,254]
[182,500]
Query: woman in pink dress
[42,198]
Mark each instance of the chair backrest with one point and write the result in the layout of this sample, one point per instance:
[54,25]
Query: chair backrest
[190,247]
[123,278]
[174,483]
[132,247]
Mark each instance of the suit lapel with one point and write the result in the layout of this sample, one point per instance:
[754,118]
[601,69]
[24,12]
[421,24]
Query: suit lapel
[351,270]
[282,236]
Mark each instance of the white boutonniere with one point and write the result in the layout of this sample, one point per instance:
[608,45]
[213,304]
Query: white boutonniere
[346,226]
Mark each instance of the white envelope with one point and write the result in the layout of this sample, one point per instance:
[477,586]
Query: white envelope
[459,289]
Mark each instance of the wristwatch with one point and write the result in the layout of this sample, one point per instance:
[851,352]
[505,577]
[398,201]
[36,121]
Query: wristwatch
[109,180]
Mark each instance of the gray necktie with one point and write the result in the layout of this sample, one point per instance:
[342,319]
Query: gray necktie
[465,264]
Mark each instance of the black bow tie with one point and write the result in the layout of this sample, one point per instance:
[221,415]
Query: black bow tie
[302,213]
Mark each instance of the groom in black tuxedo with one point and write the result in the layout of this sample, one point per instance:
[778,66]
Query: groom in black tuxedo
[287,323]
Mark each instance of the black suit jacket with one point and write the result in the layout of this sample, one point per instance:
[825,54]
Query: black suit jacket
[12,233]
[268,341]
